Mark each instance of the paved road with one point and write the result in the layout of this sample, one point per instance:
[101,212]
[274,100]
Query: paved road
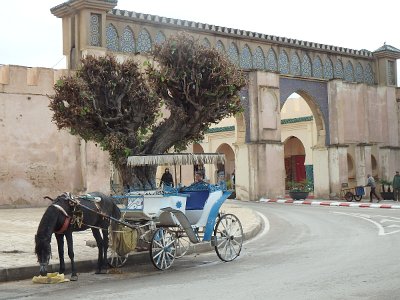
[305,252]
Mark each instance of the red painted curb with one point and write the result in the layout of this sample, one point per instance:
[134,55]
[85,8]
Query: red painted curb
[386,206]
[329,203]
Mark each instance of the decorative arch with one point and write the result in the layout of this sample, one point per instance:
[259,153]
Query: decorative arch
[271,64]
[349,72]
[233,54]
[206,43]
[220,46]
[295,68]
[317,68]
[160,38]
[369,75]
[259,59]
[283,62]
[359,74]
[306,66]
[144,43]
[316,96]
[328,69]
[112,38]
[127,41]
[339,69]
[246,58]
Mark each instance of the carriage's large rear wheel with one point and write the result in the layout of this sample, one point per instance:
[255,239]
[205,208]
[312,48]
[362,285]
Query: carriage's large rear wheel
[228,237]
[162,249]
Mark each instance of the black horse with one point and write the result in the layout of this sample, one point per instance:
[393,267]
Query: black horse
[87,214]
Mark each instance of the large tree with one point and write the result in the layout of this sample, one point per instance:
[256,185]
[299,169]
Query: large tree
[118,104]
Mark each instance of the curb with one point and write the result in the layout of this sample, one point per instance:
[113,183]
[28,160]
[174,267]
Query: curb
[27,272]
[331,203]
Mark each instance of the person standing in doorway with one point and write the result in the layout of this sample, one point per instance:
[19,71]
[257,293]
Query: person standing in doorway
[396,186]
[371,183]
[166,178]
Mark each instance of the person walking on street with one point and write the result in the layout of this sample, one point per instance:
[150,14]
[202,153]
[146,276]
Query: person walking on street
[371,183]
[396,186]
[166,178]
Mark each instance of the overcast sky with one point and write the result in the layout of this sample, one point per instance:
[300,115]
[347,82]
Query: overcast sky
[31,35]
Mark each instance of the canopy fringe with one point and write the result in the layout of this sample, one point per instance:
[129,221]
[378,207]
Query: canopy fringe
[176,159]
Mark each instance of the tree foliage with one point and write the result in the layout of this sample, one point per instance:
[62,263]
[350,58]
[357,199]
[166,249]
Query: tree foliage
[118,104]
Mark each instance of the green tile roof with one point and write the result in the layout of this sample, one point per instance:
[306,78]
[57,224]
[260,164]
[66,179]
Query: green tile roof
[297,120]
[220,129]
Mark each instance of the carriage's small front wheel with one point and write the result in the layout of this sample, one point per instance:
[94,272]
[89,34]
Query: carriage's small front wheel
[358,197]
[182,245]
[162,249]
[115,260]
[228,237]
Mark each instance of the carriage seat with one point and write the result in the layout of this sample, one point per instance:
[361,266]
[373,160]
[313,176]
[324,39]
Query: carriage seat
[196,199]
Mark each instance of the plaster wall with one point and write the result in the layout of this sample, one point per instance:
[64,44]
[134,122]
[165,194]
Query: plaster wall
[37,159]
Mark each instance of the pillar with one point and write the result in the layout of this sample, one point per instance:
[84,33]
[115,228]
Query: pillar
[338,171]
[321,172]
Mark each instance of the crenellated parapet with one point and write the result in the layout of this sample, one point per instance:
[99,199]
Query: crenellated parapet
[25,80]
[125,33]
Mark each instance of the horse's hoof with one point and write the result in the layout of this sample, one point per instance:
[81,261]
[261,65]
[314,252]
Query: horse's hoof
[74,278]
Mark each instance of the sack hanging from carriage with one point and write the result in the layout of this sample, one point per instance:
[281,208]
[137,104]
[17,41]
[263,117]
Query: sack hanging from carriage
[124,240]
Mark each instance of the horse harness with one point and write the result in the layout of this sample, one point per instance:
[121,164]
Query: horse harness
[77,213]
[67,219]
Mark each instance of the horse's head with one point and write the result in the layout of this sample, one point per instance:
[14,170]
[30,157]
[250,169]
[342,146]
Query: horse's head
[43,252]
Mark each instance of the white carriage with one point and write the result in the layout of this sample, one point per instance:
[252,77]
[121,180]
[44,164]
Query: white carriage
[169,221]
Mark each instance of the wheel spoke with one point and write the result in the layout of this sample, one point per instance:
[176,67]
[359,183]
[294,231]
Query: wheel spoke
[228,235]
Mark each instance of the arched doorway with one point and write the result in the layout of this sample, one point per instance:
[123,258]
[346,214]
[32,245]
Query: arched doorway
[226,170]
[197,148]
[294,160]
[374,167]
[299,134]
[351,171]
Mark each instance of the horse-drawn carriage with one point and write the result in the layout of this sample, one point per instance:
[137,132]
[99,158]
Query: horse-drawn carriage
[166,222]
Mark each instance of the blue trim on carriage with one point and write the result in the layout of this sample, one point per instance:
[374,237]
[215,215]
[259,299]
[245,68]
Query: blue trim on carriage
[213,215]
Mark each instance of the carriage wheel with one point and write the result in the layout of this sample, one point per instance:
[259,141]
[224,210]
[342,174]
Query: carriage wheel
[358,197]
[162,249]
[182,245]
[228,237]
[348,196]
[115,260]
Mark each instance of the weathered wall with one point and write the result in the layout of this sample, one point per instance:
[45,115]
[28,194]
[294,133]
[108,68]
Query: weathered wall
[36,159]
